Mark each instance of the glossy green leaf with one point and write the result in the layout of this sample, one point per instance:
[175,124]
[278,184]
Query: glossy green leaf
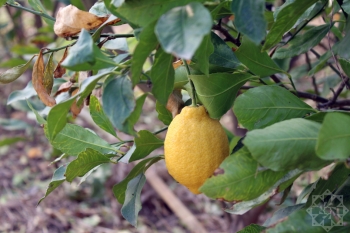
[39,118]
[286,145]
[85,55]
[57,117]
[74,139]
[252,228]
[163,114]
[223,55]
[8,141]
[203,53]
[24,94]
[162,76]
[145,143]
[120,188]
[249,18]
[241,179]
[86,161]
[14,73]
[181,78]
[180,31]
[218,92]
[57,179]
[285,20]
[265,105]
[128,125]
[258,62]
[132,204]
[148,42]
[99,117]
[334,138]
[244,206]
[143,12]
[118,100]
[38,6]
[303,43]
[48,74]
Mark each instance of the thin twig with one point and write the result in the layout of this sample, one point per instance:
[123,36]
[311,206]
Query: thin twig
[111,36]
[228,36]
[336,94]
[314,84]
[18,6]
[329,64]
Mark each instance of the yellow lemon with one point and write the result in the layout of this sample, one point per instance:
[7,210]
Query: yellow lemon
[195,145]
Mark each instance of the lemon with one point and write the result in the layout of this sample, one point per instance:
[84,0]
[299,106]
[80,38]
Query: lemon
[195,145]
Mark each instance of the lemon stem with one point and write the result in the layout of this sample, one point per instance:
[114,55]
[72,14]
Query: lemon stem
[194,101]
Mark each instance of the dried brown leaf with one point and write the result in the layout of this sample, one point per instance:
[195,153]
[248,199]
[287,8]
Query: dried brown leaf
[64,87]
[75,109]
[48,75]
[175,102]
[70,21]
[38,81]
[60,71]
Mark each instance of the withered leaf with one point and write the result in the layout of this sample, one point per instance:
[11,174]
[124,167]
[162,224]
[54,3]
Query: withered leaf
[64,87]
[75,108]
[70,21]
[38,81]
[48,75]
[175,102]
[60,70]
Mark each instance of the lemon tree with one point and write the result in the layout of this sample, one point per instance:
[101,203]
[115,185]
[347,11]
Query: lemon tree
[282,67]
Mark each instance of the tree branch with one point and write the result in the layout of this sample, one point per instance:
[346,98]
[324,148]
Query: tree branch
[228,36]
[18,6]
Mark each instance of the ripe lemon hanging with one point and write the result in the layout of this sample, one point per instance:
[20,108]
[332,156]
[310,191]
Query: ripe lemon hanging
[195,145]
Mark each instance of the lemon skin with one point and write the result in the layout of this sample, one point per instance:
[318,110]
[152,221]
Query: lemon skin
[194,147]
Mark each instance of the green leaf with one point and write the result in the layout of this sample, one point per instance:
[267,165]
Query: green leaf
[24,94]
[334,137]
[99,117]
[13,124]
[39,118]
[244,206]
[57,179]
[57,117]
[252,228]
[249,18]
[119,189]
[286,145]
[2,2]
[14,73]
[143,12]
[12,62]
[36,4]
[320,63]
[85,55]
[86,161]
[162,76]
[203,53]
[25,49]
[345,65]
[181,78]
[148,43]
[258,62]
[241,179]
[303,43]
[128,125]
[335,180]
[285,20]
[9,141]
[180,31]
[74,139]
[99,9]
[218,92]
[265,105]
[163,113]
[343,47]
[88,85]
[281,214]
[223,55]
[132,204]
[118,100]
[145,143]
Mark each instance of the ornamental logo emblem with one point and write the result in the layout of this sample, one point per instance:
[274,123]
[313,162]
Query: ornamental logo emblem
[327,210]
